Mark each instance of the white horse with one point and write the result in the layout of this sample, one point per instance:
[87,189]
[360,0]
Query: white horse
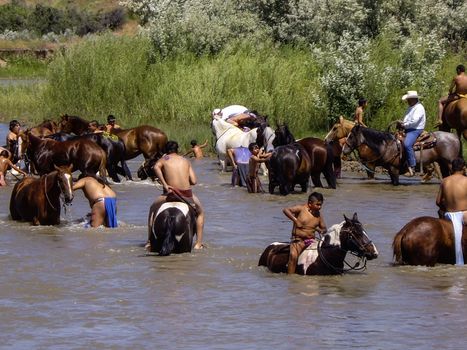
[230,136]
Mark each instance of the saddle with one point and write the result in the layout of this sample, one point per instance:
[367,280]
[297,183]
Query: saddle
[426,140]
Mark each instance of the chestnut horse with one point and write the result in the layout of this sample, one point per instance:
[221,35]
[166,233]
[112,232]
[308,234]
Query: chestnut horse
[321,154]
[427,241]
[143,139]
[46,128]
[38,200]
[455,117]
[327,257]
[384,149]
[172,226]
[85,155]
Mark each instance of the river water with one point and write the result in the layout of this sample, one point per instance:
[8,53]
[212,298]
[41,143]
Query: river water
[68,287]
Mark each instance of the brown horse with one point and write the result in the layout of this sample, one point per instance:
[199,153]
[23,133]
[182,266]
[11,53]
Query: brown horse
[327,256]
[38,200]
[85,155]
[427,241]
[455,117]
[321,154]
[144,139]
[46,128]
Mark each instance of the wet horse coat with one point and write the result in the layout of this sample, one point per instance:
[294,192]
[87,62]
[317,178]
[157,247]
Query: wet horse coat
[427,241]
[38,200]
[171,227]
[326,257]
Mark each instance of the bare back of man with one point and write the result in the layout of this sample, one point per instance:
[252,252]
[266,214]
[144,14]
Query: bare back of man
[453,194]
[95,192]
[176,174]
[461,84]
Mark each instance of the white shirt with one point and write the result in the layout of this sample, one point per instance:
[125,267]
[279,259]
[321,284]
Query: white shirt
[230,111]
[415,117]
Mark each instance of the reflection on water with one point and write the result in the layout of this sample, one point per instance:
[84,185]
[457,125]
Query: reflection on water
[6,82]
[70,287]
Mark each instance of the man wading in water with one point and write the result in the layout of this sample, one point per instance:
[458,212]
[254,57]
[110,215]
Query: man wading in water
[177,175]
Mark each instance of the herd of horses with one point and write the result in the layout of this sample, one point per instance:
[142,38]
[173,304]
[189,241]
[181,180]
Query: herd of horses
[56,149]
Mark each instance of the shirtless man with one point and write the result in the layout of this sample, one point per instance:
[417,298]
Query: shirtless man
[94,127]
[306,220]
[5,163]
[358,116]
[177,175]
[458,87]
[111,126]
[452,200]
[196,149]
[12,136]
[102,200]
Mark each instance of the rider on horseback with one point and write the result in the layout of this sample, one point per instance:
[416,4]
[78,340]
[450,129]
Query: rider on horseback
[457,89]
[177,177]
[306,220]
[413,123]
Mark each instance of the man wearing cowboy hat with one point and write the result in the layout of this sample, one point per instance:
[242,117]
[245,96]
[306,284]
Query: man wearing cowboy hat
[413,123]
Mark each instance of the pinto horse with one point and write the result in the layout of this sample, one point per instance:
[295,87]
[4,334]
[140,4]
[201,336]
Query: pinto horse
[85,155]
[455,117]
[143,139]
[427,241]
[38,200]
[384,149]
[171,226]
[112,145]
[229,136]
[322,155]
[327,256]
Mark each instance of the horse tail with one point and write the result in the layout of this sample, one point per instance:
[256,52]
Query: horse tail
[169,242]
[102,167]
[397,248]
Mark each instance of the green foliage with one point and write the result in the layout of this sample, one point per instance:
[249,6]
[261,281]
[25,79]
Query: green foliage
[13,17]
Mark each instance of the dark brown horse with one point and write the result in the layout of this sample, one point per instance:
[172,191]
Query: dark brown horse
[38,200]
[381,148]
[327,256]
[85,155]
[455,117]
[143,139]
[427,241]
[321,154]
[289,165]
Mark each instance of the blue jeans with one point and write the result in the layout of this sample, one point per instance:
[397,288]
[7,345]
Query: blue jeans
[410,138]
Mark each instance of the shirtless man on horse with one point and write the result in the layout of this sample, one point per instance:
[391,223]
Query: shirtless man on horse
[102,200]
[177,176]
[457,89]
[306,220]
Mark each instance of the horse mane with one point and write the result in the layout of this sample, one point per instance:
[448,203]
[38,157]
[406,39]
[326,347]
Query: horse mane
[334,232]
[375,138]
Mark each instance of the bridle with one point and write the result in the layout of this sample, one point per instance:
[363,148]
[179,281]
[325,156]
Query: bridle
[61,195]
[356,266]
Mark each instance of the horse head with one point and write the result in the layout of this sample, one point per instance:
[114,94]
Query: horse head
[353,238]
[265,136]
[283,136]
[73,124]
[353,140]
[65,181]
[339,130]
[146,170]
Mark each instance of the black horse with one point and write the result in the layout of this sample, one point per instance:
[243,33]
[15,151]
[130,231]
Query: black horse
[326,257]
[289,165]
[113,147]
[322,155]
[171,226]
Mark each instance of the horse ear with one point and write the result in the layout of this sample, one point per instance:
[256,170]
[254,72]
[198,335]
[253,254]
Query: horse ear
[346,219]
[70,168]
[355,217]
[341,119]
[56,167]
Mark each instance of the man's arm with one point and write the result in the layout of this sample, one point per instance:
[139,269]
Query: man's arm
[230,153]
[291,212]
[452,87]
[322,226]
[158,170]
[204,144]
[192,175]
[79,184]
[187,153]
[439,197]
[9,162]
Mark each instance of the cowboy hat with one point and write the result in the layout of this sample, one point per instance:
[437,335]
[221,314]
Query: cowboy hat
[410,94]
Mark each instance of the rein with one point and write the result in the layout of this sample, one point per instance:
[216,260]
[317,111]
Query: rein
[62,195]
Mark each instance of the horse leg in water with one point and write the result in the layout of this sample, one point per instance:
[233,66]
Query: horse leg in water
[394,175]
[124,170]
[316,179]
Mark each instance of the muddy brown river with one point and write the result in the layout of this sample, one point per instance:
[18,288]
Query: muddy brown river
[68,287]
